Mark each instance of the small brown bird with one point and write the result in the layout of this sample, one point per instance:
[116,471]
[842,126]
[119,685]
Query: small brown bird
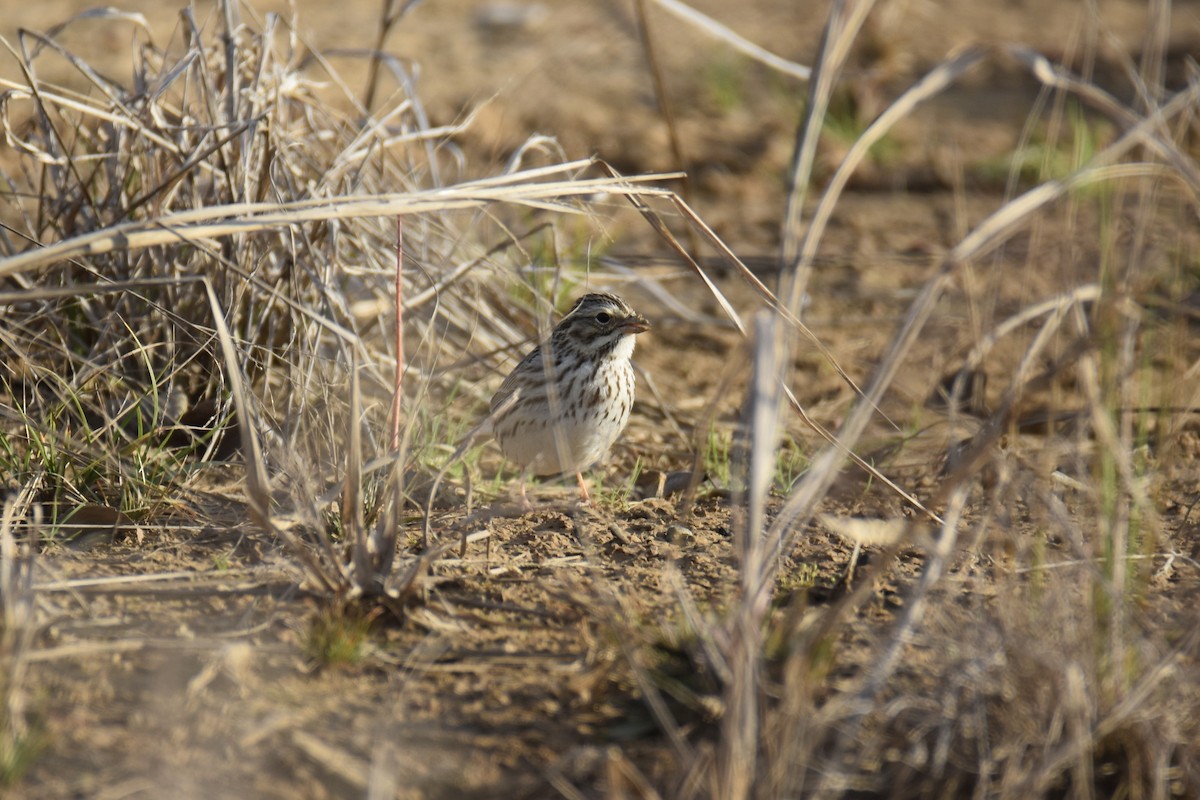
[560,410]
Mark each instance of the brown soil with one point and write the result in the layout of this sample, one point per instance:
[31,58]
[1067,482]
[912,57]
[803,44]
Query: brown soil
[509,678]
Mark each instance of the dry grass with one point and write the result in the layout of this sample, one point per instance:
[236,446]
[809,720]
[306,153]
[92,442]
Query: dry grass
[220,240]
[201,268]
[967,719]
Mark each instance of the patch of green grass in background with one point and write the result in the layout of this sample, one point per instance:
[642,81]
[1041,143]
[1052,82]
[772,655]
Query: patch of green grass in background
[20,749]
[337,637]
[1046,157]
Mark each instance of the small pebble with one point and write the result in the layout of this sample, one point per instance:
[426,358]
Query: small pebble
[676,532]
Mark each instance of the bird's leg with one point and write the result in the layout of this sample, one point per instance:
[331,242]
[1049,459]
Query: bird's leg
[586,499]
[522,498]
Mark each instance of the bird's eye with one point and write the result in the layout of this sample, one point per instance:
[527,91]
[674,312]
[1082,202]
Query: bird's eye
[604,318]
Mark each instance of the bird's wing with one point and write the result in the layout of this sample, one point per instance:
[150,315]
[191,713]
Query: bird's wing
[513,380]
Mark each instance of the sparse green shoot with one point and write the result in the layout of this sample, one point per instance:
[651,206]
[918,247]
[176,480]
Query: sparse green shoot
[337,637]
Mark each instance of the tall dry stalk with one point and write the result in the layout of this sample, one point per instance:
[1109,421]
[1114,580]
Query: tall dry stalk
[738,755]
[18,626]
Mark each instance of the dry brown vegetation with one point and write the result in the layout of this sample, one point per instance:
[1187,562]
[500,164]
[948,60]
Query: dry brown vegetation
[922,392]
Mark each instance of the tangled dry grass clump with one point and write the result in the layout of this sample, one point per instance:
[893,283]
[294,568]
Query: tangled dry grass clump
[222,225]
[204,292]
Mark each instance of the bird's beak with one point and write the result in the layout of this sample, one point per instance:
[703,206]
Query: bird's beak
[635,324]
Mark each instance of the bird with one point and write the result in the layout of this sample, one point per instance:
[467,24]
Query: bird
[563,406]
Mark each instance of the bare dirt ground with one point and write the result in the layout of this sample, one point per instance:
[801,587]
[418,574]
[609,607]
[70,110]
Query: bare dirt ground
[511,677]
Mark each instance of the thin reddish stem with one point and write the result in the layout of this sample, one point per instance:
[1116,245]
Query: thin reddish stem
[395,413]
